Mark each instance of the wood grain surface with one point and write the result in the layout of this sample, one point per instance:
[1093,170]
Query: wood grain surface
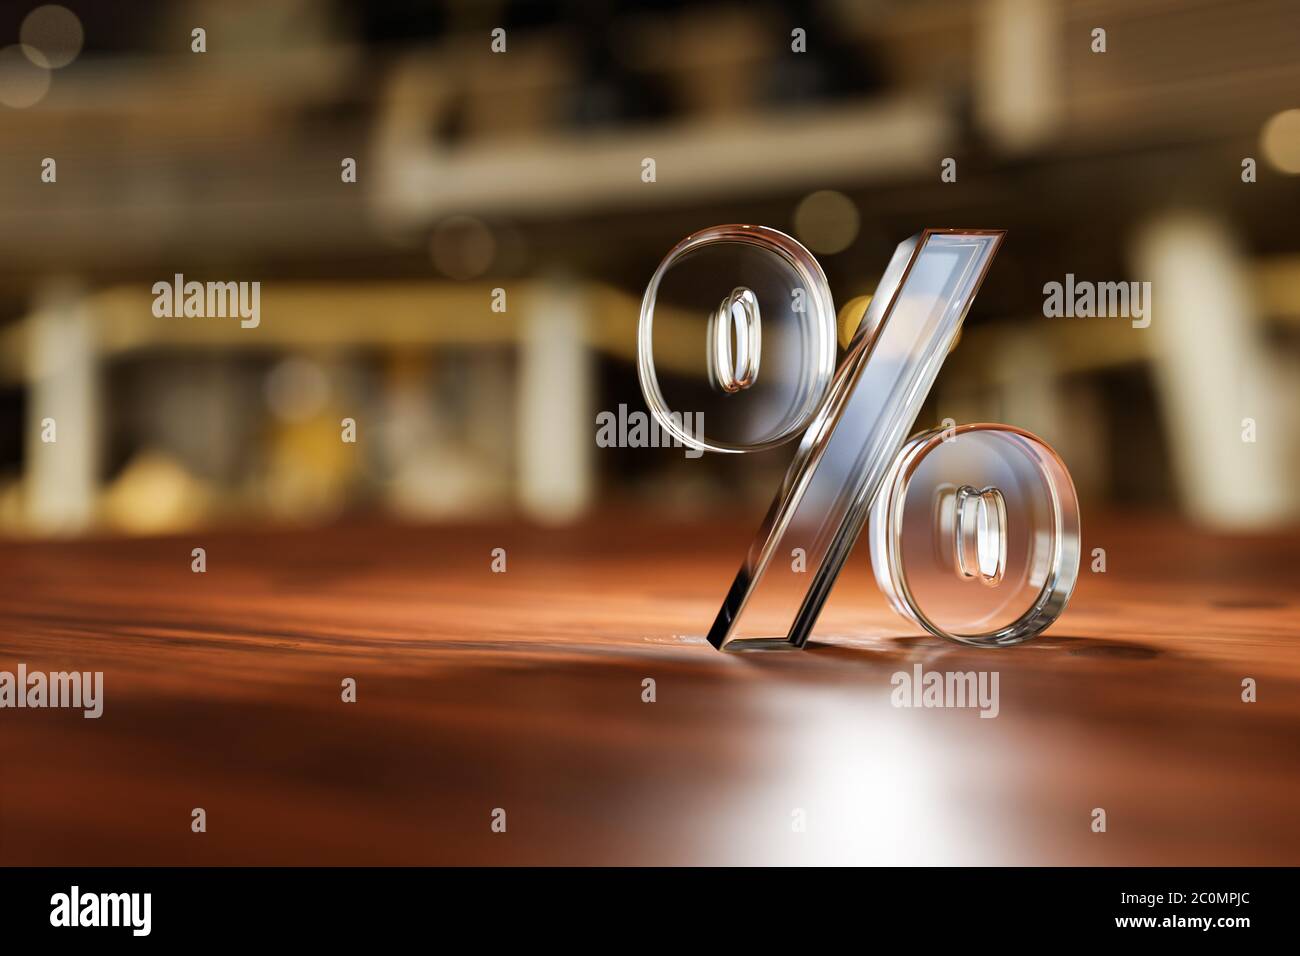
[523,691]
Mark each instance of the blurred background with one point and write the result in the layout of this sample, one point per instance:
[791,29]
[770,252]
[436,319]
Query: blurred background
[522,172]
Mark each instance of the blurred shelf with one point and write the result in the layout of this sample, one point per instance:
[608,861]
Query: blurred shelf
[360,315]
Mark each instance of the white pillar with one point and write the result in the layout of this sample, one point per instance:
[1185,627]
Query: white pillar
[61,476]
[555,420]
[1212,371]
[1019,68]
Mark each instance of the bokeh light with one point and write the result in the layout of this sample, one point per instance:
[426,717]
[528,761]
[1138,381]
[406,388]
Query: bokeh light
[1280,140]
[463,247]
[826,221]
[51,36]
[22,82]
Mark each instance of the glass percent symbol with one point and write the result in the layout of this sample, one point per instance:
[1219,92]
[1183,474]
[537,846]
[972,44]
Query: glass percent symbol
[975,533]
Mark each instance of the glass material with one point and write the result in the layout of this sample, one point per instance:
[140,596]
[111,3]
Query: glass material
[736,341]
[910,325]
[737,337]
[975,534]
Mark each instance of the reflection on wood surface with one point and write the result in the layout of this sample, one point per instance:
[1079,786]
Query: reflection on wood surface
[523,691]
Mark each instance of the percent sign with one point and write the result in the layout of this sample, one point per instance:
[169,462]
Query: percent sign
[1020,545]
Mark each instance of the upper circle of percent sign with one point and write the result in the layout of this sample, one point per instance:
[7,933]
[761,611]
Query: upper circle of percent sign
[974,528]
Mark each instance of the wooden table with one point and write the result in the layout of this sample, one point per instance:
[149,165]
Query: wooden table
[523,691]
